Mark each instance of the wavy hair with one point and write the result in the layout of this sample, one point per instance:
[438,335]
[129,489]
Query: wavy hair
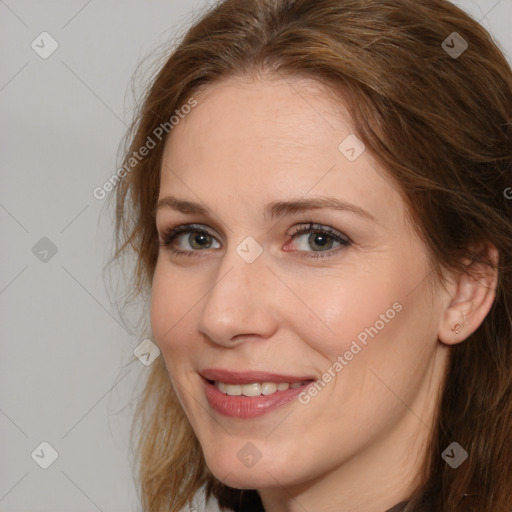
[440,126]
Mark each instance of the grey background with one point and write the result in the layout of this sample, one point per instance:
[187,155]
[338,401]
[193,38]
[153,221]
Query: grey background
[68,375]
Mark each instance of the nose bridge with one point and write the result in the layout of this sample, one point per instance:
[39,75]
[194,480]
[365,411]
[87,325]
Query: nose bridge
[239,300]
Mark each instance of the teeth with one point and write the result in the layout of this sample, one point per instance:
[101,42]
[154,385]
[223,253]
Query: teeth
[221,386]
[255,388]
[267,388]
[232,389]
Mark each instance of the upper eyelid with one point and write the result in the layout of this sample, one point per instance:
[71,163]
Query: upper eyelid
[172,233]
[302,228]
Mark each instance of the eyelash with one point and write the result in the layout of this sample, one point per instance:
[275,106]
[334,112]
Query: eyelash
[170,235]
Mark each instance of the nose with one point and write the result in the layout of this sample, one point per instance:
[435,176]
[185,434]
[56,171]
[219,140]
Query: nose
[241,304]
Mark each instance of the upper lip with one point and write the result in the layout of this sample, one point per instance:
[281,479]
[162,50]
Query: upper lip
[248,377]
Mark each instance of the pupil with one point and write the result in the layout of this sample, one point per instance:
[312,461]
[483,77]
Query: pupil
[198,237]
[321,237]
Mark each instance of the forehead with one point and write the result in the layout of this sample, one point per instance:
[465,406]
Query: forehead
[251,114]
[273,138]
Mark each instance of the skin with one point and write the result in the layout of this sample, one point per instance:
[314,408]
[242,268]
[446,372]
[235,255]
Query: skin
[359,444]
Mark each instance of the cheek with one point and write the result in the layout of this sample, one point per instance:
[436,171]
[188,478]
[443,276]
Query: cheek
[171,301]
[374,320]
[386,341]
[345,310]
[162,309]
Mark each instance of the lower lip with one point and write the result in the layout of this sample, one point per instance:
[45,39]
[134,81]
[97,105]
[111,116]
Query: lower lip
[249,406]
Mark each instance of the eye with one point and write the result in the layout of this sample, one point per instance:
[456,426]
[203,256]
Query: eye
[320,238]
[197,237]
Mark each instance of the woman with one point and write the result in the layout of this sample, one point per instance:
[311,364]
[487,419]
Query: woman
[316,195]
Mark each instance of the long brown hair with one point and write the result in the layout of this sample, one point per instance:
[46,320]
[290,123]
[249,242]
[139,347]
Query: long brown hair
[438,119]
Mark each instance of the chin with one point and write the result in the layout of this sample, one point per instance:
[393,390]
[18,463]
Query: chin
[248,479]
[233,473]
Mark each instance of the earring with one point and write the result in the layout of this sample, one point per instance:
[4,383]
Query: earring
[458,326]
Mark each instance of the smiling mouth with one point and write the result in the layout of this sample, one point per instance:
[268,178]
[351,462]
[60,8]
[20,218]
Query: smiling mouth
[250,394]
[255,389]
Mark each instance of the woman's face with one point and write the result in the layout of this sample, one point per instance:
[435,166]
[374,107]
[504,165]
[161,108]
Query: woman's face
[263,298]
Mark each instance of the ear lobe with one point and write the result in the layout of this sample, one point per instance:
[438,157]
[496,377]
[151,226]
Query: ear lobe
[472,300]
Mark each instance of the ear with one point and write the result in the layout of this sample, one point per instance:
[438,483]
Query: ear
[471,299]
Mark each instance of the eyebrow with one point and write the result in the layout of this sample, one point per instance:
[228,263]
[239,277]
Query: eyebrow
[273,209]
